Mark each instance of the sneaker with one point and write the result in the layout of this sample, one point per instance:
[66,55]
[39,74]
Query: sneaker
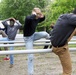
[11,65]
[6,58]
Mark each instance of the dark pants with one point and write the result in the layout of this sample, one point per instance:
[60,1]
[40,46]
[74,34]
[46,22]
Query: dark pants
[46,46]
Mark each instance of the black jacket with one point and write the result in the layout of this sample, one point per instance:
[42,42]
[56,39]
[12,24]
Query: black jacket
[30,24]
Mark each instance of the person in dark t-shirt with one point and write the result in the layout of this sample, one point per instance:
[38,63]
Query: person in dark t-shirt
[61,34]
[30,35]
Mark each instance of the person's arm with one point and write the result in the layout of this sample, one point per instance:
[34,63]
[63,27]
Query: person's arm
[4,22]
[42,19]
[16,21]
[26,23]
[40,16]
[2,29]
[19,24]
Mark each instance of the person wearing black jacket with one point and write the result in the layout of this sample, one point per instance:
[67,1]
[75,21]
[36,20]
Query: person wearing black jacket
[46,46]
[30,35]
[63,31]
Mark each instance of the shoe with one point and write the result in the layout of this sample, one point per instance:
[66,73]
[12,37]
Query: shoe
[11,65]
[6,58]
[50,46]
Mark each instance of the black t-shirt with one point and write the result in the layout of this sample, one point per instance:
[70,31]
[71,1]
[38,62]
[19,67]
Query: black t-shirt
[63,28]
[30,24]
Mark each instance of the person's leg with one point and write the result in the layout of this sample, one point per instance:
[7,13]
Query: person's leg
[5,38]
[39,35]
[11,55]
[50,46]
[65,59]
[46,46]
[7,56]
[11,58]
[3,33]
[29,45]
[0,49]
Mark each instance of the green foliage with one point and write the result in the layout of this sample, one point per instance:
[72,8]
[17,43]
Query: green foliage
[56,8]
[19,9]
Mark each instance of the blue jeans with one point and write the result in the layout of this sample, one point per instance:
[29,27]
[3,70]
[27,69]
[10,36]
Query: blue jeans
[29,45]
[4,39]
[11,48]
[11,55]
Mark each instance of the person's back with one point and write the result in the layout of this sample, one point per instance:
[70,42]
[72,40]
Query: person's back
[62,30]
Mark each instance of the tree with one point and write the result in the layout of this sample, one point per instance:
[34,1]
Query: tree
[19,8]
[56,8]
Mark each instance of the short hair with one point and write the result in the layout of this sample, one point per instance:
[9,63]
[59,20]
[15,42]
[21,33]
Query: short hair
[74,11]
[34,9]
[12,20]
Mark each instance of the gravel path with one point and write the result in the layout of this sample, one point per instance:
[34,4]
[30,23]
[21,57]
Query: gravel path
[44,64]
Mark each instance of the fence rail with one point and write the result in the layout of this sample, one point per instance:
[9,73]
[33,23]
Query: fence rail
[23,44]
[20,42]
[32,51]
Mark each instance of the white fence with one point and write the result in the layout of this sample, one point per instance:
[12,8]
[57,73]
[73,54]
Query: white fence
[20,42]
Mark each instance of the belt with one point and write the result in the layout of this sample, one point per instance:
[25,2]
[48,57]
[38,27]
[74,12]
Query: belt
[59,45]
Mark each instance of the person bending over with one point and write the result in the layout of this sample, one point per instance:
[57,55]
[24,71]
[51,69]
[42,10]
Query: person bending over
[63,31]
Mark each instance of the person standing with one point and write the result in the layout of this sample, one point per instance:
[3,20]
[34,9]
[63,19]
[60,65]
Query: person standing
[46,46]
[63,31]
[4,38]
[11,31]
[30,35]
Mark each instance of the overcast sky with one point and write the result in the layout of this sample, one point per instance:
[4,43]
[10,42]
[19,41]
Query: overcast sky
[0,0]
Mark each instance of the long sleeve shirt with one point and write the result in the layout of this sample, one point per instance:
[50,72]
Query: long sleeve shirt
[30,25]
[11,31]
[62,30]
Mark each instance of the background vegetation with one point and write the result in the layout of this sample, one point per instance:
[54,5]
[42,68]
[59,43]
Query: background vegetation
[19,9]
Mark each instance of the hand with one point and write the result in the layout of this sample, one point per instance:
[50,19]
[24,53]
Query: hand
[12,19]
[34,13]
[40,15]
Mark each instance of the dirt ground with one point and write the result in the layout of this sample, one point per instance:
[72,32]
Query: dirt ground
[44,64]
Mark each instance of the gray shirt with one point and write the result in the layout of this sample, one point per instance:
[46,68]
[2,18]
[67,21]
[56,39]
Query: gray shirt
[62,30]
[11,31]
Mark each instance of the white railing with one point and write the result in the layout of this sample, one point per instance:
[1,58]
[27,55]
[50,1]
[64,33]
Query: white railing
[30,51]
[20,42]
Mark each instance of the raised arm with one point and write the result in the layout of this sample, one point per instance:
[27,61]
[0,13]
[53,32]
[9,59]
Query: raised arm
[4,22]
